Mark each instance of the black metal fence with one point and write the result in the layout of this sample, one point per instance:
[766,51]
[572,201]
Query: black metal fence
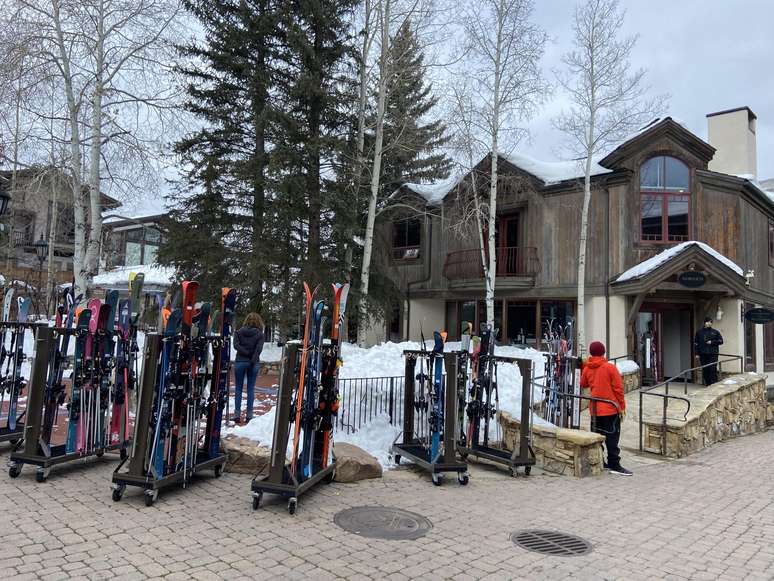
[363,399]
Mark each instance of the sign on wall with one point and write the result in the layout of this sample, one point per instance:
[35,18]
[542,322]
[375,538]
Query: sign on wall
[692,278]
[759,315]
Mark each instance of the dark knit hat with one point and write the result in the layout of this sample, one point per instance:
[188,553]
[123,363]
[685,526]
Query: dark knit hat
[597,349]
[707,319]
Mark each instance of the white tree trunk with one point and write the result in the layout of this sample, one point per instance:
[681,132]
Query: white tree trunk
[363,316]
[584,230]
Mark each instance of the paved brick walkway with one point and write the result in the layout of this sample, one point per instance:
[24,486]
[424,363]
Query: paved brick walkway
[707,517]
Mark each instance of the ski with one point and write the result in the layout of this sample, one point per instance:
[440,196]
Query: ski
[309,297]
[156,464]
[77,379]
[436,395]
[16,383]
[221,365]
[312,389]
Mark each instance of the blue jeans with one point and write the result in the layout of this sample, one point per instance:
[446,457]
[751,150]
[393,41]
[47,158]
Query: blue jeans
[242,368]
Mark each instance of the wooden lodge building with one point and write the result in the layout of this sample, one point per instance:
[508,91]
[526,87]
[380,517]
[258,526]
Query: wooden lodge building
[679,229]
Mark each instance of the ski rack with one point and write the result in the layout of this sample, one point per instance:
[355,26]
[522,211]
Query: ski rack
[34,450]
[411,447]
[8,434]
[524,455]
[138,472]
[281,480]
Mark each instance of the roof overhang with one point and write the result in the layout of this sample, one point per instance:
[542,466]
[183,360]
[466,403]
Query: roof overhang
[723,278]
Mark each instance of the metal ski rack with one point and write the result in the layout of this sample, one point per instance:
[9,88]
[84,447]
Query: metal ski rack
[524,454]
[139,471]
[16,433]
[281,480]
[411,447]
[36,449]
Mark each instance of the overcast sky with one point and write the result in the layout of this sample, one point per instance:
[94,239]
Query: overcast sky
[709,55]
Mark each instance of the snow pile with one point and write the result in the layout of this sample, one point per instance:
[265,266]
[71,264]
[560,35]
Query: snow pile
[627,366]
[386,360]
[271,353]
[729,382]
[435,193]
[553,172]
[154,275]
[661,258]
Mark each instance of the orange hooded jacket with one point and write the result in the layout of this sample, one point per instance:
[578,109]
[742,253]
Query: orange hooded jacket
[605,382]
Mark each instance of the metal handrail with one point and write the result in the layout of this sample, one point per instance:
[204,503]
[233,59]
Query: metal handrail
[578,396]
[666,397]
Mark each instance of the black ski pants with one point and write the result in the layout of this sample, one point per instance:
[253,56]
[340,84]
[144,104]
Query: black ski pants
[610,428]
[709,373]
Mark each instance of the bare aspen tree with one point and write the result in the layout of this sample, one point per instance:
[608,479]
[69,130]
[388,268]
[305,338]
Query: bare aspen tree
[609,102]
[113,60]
[506,47]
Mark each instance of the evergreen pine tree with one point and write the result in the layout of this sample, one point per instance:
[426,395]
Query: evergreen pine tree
[413,142]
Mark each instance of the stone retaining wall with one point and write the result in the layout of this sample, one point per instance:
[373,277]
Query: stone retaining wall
[572,452]
[631,381]
[735,409]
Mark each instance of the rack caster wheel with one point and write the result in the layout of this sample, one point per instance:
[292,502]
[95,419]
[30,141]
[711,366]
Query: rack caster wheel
[14,470]
[396,459]
[463,478]
[292,505]
[527,470]
[257,497]
[118,492]
[513,472]
[218,470]
[330,477]
[100,453]
[437,479]
[124,454]
[150,497]
[41,475]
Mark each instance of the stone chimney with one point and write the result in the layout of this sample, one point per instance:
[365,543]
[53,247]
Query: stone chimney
[732,134]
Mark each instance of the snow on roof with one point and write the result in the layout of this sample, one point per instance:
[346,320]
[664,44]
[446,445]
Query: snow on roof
[654,262]
[553,172]
[154,275]
[435,193]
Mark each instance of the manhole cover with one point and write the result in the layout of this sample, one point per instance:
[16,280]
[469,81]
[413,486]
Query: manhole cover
[551,543]
[383,522]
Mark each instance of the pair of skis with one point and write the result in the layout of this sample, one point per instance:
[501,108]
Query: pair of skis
[484,397]
[12,382]
[317,397]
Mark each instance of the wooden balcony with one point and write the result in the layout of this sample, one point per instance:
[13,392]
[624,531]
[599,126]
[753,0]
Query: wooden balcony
[514,261]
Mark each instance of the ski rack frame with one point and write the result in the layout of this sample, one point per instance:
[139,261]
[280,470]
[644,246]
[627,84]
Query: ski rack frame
[6,433]
[137,471]
[411,447]
[35,452]
[280,480]
[524,455]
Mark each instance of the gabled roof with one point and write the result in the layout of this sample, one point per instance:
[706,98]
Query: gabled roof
[668,127]
[648,273]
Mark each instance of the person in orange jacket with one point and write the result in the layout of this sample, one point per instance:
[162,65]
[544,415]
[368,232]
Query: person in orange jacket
[605,382]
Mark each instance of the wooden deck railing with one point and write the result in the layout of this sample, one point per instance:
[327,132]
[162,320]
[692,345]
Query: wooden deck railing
[511,261]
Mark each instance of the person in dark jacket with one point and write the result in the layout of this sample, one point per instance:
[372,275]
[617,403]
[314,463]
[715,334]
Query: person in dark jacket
[248,342]
[605,382]
[706,342]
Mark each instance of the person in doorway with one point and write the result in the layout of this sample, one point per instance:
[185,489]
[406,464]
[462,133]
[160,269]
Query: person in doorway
[707,342]
[605,382]
[248,342]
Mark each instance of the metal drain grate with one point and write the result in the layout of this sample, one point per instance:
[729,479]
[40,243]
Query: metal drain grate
[551,543]
[383,522]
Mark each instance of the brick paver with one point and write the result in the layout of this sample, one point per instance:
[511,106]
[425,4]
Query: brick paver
[706,517]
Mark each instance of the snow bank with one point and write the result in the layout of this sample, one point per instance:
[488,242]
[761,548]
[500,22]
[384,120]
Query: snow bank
[553,172]
[627,366]
[654,262]
[154,275]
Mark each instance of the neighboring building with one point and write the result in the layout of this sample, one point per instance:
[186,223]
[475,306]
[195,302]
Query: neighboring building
[131,245]
[653,196]
[41,207]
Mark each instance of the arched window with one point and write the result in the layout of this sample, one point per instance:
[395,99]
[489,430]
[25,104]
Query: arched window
[665,200]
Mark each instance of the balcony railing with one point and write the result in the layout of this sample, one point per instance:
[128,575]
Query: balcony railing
[511,261]
[22,238]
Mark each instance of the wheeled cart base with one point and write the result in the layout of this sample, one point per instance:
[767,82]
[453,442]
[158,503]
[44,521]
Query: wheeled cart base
[57,455]
[151,486]
[417,454]
[289,488]
[13,436]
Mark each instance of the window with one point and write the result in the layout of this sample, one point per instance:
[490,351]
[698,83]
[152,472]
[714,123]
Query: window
[749,341]
[142,245]
[664,200]
[768,347]
[771,244]
[406,239]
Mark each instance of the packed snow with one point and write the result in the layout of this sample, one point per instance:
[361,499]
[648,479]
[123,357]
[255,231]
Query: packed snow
[435,193]
[661,258]
[386,360]
[627,366]
[154,275]
[553,172]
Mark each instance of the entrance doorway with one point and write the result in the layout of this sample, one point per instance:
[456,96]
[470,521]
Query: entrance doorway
[664,340]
